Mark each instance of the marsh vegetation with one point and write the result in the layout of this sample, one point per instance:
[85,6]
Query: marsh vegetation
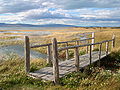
[107,76]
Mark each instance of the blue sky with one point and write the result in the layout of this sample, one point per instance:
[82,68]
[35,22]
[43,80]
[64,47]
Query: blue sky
[70,12]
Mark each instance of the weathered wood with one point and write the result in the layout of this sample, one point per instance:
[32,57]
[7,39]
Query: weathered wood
[87,47]
[49,55]
[100,50]
[27,54]
[67,52]
[90,54]
[113,41]
[43,45]
[107,47]
[76,59]
[77,42]
[66,66]
[93,40]
[72,47]
[55,61]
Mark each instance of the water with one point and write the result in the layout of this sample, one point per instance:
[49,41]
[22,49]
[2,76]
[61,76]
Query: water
[19,50]
[27,33]
[33,28]
[15,31]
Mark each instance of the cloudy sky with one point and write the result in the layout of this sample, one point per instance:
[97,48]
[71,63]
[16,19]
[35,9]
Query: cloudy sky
[71,12]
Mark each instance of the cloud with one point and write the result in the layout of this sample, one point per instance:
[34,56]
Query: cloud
[44,14]
[14,6]
[76,12]
[77,4]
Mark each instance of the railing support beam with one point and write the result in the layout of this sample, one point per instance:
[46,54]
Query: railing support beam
[93,40]
[67,52]
[27,54]
[113,41]
[49,55]
[55,61]
[100,49]
[107,48]
[90,54]
[76,59]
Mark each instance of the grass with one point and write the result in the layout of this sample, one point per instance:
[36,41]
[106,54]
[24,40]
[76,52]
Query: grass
[99,78]
[12,75]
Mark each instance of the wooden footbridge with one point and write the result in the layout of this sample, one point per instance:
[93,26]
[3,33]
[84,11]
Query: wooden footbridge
[62,68]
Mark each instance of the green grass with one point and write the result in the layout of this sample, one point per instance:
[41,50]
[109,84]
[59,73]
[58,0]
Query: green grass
[99,78]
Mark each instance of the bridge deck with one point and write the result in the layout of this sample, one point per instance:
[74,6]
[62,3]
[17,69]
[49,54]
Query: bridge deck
[66,66]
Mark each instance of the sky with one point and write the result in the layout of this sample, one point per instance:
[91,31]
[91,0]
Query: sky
[69,12]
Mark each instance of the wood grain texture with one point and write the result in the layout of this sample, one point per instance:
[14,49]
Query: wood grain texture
[67,52]
[93,40]
[67,66]
[49,55]
[27,54]
[55,61]
[76,59]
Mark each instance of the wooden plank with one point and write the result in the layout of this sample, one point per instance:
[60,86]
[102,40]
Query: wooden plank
[55,61]
[49,55]
[67,66]
[27,54]
[76,59]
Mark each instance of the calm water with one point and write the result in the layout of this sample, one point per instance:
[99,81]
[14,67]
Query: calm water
[28,33]
[33,28]
[16,30]
[19,50]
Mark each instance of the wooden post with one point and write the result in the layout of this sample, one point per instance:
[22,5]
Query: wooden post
[93,40]
[107,47]
[90,54]
[100,49]
[49,56]
[27,54]
[113,42]
[77,42]
[87,47]
[67,52]
[76,59]
[55,61]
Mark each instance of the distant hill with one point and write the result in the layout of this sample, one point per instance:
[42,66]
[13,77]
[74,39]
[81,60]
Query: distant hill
[47,25]
[30,25]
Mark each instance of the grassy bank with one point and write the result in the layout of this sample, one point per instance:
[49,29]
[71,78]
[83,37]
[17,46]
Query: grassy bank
[100,78]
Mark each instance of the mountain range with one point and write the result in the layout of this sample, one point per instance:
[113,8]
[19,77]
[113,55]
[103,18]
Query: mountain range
[30,25]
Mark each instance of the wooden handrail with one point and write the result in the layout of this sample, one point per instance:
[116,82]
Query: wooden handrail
[36,46]
[72,47]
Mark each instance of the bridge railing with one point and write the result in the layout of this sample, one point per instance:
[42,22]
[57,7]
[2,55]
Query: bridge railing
[53,52]
[49,49]
[76,54]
